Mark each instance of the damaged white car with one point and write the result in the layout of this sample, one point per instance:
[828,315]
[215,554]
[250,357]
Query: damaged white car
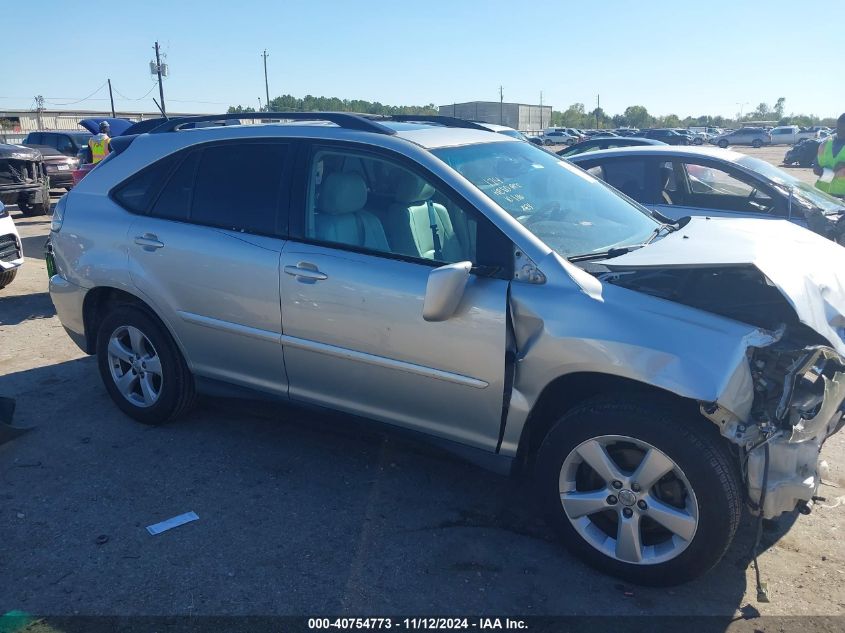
[424,272]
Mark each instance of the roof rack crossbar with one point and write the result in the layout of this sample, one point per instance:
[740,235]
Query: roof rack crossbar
[347,120]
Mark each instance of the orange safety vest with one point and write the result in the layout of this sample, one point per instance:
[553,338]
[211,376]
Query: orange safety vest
[99,146]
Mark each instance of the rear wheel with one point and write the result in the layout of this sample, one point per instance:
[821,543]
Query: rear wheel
[723,143]
[698,141]
[7,277]
[757,143]
[639,489]
[141,366]
[33,208]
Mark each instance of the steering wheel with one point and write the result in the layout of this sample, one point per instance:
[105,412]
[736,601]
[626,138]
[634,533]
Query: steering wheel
[546,212]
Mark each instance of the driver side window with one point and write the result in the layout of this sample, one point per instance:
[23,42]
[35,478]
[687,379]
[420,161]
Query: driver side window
[712,187]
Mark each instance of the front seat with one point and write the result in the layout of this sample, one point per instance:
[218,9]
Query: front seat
[667,184]
[409,221]
[341,217]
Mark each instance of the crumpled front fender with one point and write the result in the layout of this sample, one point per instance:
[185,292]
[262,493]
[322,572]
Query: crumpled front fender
[620,332]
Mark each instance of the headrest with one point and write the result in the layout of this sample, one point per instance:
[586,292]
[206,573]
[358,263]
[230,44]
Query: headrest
[342,192]
[409,188]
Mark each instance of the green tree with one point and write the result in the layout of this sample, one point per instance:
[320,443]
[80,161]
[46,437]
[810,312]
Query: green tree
[779,104]
[239,109]
[638,116]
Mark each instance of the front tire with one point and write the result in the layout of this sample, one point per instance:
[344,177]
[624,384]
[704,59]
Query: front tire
[7,277]
[640,489]
[723,143]
[757,143]
[142,368]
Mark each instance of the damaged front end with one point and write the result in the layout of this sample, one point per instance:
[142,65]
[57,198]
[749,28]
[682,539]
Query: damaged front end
[798,404]
[798,380]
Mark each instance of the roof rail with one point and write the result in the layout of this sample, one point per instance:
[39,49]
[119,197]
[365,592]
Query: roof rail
[347,120]
[445,121]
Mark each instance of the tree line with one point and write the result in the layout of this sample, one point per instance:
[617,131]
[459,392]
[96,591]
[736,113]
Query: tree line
[639,117]
[575,115]
[310,103]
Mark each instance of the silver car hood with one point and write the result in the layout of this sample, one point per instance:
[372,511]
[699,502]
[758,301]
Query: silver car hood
[806,268]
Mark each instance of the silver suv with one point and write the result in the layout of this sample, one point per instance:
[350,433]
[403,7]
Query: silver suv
[428,273]
[754,136]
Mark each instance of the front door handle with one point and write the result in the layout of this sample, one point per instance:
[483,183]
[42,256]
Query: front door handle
[305,271]
[149,241]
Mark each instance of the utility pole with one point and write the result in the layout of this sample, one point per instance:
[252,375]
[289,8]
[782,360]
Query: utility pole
[39,108]
[266,85]
[741,105]
[160,85]
[598,106]
[111,98]
[541,110]
[501,106]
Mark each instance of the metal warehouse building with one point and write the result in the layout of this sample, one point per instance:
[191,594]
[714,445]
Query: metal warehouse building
[520,116]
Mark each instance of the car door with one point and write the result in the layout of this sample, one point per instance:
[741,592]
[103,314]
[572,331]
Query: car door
[690,186]
[205,251]
[353,288]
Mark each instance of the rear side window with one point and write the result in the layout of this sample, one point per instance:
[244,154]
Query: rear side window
[629,176]
[239,186]
[137,193]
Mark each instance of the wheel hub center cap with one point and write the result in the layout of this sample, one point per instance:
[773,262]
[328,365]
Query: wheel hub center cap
[627,498]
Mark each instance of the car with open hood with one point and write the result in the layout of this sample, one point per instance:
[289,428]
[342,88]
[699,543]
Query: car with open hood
[23,179]
[649,375]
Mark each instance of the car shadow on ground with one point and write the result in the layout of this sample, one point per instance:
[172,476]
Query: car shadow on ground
[33,246]
[16,309]
[300,513]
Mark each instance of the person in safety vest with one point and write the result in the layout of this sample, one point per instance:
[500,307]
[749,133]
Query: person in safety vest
[831,162]
[99,143]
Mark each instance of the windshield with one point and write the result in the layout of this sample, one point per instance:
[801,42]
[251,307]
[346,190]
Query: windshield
[572,212]
[804,193]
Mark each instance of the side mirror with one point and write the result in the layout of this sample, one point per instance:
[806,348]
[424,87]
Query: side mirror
[444,290]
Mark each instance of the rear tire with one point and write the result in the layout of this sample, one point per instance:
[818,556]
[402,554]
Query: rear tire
[757,143]
[142,368]
[31,209]
[698,141]
[723,143]
[7,277]
[599,521]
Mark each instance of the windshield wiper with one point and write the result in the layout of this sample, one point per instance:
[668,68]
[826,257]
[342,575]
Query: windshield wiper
[613,252]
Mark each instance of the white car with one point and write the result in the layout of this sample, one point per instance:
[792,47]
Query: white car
[791,134]
[11,252]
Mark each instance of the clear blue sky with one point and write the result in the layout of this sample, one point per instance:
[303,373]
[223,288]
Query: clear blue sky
[689,57]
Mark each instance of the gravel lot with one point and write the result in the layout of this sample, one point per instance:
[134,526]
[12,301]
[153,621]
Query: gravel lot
[304,514]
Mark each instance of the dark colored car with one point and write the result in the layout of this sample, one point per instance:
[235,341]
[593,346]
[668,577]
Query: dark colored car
[680,182]
[59,167]
[23,180]
[670,137]
[804,154]
[69,143]
[605,142]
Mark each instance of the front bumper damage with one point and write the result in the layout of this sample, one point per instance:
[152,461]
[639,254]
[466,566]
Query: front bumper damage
[798,404]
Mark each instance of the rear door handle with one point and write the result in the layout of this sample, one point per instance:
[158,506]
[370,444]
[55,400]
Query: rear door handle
[149,241]
[307,272]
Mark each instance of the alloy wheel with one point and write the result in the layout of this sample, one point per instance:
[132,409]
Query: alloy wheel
[135,366]
[628,499]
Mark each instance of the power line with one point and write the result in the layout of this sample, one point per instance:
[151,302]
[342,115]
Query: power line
[103,85]
[123,96]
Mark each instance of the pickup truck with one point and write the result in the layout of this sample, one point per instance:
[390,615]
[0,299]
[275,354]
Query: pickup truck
[791,134]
